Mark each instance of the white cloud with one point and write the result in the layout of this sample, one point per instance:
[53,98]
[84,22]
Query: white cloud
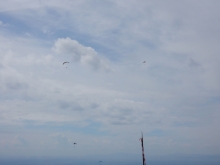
[3,24]
[61,140]
[79,53]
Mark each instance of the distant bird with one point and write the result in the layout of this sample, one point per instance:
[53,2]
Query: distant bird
[74,144]
[144,62]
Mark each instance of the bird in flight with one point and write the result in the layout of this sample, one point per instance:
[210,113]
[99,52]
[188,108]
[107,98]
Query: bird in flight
[144,62]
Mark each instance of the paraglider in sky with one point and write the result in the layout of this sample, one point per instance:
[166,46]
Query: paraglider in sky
[65,62]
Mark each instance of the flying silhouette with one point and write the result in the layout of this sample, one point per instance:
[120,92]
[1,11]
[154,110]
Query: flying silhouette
[65,62]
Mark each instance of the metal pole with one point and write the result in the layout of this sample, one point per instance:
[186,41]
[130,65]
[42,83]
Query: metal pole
[142,144]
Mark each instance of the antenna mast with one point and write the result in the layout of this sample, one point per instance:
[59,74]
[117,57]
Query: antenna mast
[142,144]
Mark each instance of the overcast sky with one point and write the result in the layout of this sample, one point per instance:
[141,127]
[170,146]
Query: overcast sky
[105,96]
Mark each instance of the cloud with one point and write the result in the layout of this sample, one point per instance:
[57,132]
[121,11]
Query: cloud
[70,105]
[1,66]
[193,63]
[79,53]
[2,24]
[60,140]
[174,99]
[22,141]
[16,85]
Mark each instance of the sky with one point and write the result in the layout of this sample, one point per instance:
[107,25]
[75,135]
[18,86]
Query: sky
[106,95]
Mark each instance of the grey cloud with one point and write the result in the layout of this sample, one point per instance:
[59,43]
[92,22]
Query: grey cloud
[121,122]
[23,141]
[94,105]
[77,107]
[1,66]
[121,115]
[64,105]
[193,63]
[16,85]
[70,105]
[123,119]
